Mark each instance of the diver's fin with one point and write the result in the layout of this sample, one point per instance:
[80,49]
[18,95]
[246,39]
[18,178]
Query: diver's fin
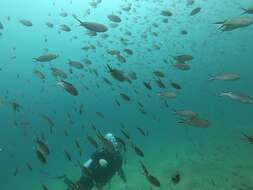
[99,187]
[122,175]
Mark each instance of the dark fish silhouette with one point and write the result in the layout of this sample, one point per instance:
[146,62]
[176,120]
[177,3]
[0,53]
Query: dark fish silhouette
[125,133]
[92,141]
[195,11]
[77,144]
[44,187]
[152,180]
[125,97]
[1,26]
[114,18]
[40,156]
[75,64]
[67,155]
[160,83]
[117,74]
[166,13]
[122,142]
[29,167]
[142,131]
[183,58]
[26,22]
[137,150]
[16,171]
[49,122]
[93,26]
[175,178]
[175,85]
[46,58]
[147,85]
[249,138]
[70,88]
[42,146]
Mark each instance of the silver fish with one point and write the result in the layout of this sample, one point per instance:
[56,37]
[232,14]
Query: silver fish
[186,113]
[68,87]
[235,23]
[114,18]
[181,66]
[27,23]
[39,74]
[238,97]
[196,122]
[93,26]
[225,76]
[59,73]
[75,64]
[46,57]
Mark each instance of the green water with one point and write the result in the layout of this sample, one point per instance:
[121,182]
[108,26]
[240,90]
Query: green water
[213,157]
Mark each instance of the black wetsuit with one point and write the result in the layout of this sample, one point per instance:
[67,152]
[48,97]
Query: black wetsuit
[101,175]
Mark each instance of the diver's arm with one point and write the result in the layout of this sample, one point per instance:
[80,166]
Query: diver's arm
[122,175]
[93,159]
[88,163]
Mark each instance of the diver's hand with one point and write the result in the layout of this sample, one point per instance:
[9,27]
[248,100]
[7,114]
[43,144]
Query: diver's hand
[103,163]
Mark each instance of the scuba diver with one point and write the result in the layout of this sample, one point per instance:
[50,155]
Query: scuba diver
[101,167]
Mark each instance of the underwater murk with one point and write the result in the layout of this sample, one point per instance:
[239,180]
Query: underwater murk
[126,94]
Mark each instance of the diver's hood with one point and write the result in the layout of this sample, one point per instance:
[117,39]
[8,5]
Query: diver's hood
[112,139]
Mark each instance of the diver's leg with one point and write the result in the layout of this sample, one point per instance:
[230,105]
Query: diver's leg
[85,183]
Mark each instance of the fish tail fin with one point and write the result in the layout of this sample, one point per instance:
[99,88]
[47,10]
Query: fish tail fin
[221,27]
[172,56]
[59,83]
[220,22]
[59,177]
[182,121]
[245,11]
[144,168]
[222,94]
[211,77]
[75,17]
[174,111]
[243,134]
[108,66]
[131,144]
